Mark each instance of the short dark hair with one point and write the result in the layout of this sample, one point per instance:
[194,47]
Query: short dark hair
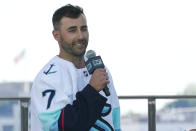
[65,11]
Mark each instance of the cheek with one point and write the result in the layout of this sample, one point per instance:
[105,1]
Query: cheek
[67,38]
[86,35]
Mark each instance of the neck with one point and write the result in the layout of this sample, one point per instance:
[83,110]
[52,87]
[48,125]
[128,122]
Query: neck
[79,62]
[76,60]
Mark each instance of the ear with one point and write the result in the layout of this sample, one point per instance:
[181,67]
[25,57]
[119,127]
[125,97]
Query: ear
[56,35]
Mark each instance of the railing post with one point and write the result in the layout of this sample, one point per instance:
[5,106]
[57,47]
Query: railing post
[24,115]
[151,114]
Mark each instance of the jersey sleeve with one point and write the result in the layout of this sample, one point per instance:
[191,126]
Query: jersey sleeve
[115,104]
[48,98]
[84,111]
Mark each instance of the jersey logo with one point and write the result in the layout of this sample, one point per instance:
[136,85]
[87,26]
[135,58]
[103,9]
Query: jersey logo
[49,70]
[51,95]
[106,110]
[101,124]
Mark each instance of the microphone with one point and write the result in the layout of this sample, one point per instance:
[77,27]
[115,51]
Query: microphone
[94,62]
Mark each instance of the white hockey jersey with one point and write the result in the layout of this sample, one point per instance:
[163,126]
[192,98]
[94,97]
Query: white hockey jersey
[56,86]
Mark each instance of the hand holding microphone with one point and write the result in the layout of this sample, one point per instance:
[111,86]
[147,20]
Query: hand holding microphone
[95,66]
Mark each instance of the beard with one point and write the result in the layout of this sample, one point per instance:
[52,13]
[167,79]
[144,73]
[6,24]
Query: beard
[70,47]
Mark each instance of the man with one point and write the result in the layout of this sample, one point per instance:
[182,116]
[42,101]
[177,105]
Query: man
[64,97]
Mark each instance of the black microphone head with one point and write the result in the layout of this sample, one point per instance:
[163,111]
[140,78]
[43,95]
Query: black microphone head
[90,54]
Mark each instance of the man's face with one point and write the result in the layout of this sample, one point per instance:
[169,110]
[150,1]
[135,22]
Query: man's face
[74,36]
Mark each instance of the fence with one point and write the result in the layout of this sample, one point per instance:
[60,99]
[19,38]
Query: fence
[23,109]
[151,107]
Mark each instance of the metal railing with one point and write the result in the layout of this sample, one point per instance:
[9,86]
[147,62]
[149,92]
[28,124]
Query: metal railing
[151,107]
[23,109]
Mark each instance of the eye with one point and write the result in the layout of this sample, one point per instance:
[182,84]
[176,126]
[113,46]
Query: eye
[84,28]
[72,29]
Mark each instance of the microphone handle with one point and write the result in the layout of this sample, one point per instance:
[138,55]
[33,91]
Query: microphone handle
[106,91]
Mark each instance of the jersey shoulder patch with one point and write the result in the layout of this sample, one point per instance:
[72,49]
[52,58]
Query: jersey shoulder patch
[51,69]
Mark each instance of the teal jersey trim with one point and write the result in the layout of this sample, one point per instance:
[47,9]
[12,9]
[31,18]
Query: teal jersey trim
[105,109]
[116,118]
[93,129]
[102,125]
[49,120]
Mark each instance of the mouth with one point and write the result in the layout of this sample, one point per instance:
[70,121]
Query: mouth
[80,44]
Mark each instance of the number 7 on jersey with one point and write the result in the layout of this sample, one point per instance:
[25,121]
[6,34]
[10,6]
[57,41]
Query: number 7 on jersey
[51,95]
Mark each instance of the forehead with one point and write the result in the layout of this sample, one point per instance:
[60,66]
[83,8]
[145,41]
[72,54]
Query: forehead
[68,22]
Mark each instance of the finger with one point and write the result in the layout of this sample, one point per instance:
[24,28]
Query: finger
[107,78]
[101,69]
[106,75]
[107,81]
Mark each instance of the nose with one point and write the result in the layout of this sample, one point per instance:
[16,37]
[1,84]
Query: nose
[80,34]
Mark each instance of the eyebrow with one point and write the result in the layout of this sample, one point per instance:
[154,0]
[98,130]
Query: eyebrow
[84,26]
[71,28]
[75,27]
